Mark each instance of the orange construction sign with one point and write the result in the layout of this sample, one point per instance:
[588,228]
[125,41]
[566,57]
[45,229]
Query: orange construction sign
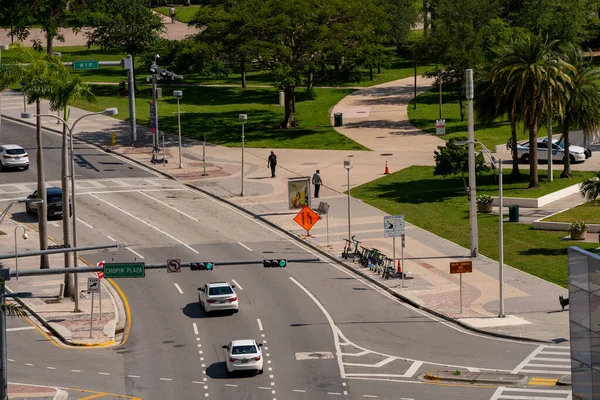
[307,218]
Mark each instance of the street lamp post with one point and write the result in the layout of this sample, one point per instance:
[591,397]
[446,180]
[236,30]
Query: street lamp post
[243,118]
[109,112]
[2,47]
[501,240]
[474,239]
[178,94]
[16,253]
[348,166]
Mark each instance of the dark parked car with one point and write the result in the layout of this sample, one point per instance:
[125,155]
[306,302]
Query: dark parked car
[54,197]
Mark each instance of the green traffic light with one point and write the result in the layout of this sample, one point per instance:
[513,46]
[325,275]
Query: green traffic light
[209,266]
[282,263]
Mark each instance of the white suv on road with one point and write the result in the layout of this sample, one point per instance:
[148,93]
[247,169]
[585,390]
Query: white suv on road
[218,296]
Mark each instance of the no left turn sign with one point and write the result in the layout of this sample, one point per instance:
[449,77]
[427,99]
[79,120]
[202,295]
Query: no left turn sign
[174,265]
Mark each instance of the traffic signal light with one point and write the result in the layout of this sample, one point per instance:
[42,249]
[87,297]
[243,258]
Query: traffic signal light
[207,266]
[281,263]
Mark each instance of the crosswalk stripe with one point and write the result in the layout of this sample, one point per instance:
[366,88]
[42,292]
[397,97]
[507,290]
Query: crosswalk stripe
[538,371]
[550,359]
[550,365]
[559,353]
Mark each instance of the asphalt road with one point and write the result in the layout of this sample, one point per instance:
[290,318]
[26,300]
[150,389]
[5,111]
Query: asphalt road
[379,345]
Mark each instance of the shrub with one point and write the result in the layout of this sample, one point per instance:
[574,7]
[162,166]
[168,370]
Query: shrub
[578,226]
[484,199]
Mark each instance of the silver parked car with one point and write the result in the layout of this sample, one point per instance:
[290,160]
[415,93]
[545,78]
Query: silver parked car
[577,153]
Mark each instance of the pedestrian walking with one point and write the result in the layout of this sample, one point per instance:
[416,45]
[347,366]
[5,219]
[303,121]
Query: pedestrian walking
[272,163]
[317,181]
[172,14]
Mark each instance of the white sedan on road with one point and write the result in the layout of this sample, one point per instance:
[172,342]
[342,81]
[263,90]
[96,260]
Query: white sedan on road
[243,355]
[558,152]
[218,296]
[13,156]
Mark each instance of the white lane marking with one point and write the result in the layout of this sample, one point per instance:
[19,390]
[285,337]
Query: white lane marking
[270,369]
[299,390]
[345,393]
[134,252]
[166,379]
[133,376]
[205,386]
[55,224]
[203,365]
[264,388]
[86,224]
[260,327]
[75,370]
[527,359]
[470,369]
[406,398]
[334,393]
[111,238]
[103,373]
[170,206]
[413,369]
[237,285]
[50,367]
[205,394]
[244,246]
[197,382]
[195,329]
[197,337]
[24,328]
[29,365]
[551,359]
[271,376]
[331,325]
[145,223]
[549,365]
[272,383]
[541,371]
[230,385]
[369,396]
[11,360]
[178,288]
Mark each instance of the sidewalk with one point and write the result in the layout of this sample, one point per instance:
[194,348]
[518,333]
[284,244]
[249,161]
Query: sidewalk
[376,117]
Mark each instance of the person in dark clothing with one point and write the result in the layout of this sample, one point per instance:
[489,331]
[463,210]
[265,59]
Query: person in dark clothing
[316,180]
[272,163]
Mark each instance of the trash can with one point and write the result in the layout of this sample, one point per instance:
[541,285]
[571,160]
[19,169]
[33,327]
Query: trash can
[337,119]
[513,213]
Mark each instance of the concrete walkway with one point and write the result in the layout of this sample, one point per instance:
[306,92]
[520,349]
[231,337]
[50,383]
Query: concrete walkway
[372,116]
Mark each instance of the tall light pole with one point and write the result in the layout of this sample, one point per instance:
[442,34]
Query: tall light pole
[178,94]
[348,166]
[501,241]
[2,47]
[243,119]
[109,112]
[474,238]
[16,253]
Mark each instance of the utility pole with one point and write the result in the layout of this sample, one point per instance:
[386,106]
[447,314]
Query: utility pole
[128,65]
[474,238]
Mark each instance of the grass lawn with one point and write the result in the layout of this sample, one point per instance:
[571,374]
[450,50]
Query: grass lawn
[184,14]
[214,111]
[587,212]
[440,206]
[428,112]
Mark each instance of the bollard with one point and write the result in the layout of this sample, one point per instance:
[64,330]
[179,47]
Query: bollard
[61,291]
[113,138]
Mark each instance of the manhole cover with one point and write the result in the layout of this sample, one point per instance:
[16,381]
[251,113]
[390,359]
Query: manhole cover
[168,341]
[314,355]
[387,154]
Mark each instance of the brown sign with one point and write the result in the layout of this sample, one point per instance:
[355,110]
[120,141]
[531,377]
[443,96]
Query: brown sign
[461,267]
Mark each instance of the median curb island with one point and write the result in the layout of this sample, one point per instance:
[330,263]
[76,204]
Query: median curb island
[494,378]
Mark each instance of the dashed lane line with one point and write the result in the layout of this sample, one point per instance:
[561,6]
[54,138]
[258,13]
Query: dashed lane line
[134,252]
[244,246]
[178,288]
[237,285]
[195,330]
[23,328]
[260,327]
[110,238]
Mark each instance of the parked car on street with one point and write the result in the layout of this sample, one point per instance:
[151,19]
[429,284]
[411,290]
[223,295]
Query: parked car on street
[218,296]
[13,156]
[577,153]
[243,355]
[561,144]
[54,197]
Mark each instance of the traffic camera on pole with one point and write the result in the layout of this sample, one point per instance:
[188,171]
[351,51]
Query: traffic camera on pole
[202,266]
[281,263]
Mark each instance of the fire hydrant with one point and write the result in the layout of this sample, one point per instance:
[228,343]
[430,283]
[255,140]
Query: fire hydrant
[113,138]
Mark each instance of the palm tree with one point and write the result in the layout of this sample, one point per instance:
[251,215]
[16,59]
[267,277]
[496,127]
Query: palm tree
[581,100]
[590,188]
[530,70]
[491,104]
[37,76]
[66,88]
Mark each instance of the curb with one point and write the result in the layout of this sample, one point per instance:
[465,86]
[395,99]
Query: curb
[311,246]
[433,376]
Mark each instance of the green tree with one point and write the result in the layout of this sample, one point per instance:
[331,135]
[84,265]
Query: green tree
[401,16]
[38,75]
[531,71]
[67,88]
[581,100]
[590,188]
[453,159]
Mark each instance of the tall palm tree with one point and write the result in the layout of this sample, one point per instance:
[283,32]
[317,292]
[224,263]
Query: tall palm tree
[67,88]
[531,71]
[581,100]
[37,76]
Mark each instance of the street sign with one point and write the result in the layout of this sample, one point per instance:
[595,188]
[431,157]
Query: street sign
[393,226]
[100,273]
[461,267]
[93,285]
[173,265]
[83,65]
[307,218]
[440,127]
[124,270]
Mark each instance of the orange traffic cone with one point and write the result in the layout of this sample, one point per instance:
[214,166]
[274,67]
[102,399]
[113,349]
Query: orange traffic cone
[387,169]
[399,267]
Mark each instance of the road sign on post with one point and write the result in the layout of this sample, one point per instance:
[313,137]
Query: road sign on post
[93,285]
[173,265]
[124,270]
[393,226]
[307,218]
[461,267]
[83,65]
